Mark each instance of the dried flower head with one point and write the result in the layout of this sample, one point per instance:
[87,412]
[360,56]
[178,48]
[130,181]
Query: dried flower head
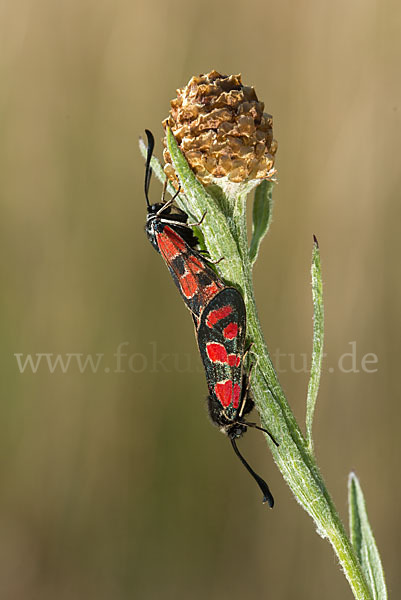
[220,127]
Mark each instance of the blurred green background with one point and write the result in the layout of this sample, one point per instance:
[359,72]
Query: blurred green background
[113,483]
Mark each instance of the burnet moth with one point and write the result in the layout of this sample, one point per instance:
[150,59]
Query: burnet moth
[221,340]
[171,235]
[219,316]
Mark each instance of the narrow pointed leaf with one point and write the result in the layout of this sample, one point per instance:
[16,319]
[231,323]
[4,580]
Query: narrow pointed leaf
[318,334]
[363,541]
[262,216]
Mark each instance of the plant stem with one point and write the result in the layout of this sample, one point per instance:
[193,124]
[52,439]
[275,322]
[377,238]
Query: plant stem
[293,457]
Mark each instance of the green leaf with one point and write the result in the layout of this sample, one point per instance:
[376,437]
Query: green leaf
[318,334]
[363,541]
[262,216]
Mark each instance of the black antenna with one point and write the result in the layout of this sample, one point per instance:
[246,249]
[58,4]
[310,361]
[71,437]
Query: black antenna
[267,497]
[148,172]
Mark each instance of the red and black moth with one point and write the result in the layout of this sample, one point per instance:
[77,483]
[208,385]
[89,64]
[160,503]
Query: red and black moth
[171,235]
[221,340]
[219,316]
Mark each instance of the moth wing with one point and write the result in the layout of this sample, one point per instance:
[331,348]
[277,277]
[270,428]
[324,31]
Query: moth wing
[221,340]
[195,279]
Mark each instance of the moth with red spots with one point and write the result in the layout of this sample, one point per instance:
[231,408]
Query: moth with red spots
[219,315]
[171,235]
[221,340]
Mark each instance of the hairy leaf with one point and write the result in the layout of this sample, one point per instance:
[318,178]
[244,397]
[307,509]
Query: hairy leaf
[363,541]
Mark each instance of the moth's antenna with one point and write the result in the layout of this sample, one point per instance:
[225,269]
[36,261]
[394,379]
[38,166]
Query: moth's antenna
[148,171]
[267,496]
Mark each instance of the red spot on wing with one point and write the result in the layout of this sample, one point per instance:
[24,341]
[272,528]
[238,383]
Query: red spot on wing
[216,352]
[224,392]
[170,244]
[195,264]
[177,239]
[236,395]
[231,331]
[216,315]
[189,285]
[227,393]
[209,291]
[234,360]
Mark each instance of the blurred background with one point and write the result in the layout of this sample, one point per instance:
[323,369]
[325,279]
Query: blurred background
[113,484]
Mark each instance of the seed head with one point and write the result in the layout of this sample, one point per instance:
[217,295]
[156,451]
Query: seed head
[220,127]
